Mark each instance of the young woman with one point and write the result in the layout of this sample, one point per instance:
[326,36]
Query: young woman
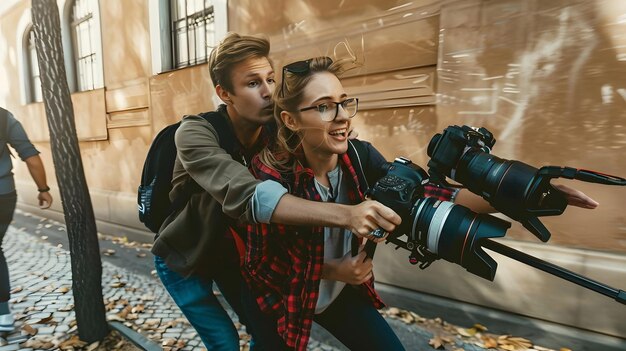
[311,274]
[294,280]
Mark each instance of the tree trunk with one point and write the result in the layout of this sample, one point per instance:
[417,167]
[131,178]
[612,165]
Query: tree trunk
[77,207]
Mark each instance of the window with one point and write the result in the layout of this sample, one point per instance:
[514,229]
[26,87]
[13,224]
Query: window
[85,33]
[34,81]
[193,31]
[183,33]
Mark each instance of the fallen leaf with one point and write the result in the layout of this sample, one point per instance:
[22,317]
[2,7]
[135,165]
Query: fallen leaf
[29,330]
[490,342]
[115,318]
[168,342]
[436,342]
[137,309]
[92,346]
[71,343]
[480,327]
[468,333]
[393,311]
[44,320]
[66,308]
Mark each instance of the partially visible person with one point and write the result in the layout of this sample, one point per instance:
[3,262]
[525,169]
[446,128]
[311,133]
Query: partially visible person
[12,133]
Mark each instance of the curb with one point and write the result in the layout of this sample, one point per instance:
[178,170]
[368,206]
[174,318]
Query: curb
[139,340]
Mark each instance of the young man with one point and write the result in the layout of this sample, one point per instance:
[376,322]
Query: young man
[12,133]
[194,248]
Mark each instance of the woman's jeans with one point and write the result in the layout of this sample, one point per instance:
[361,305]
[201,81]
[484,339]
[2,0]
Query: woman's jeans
[7,208]
[194,296]
[351,318]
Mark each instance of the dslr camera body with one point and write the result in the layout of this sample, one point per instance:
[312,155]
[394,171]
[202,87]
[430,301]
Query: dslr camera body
[434,228]
[441,229]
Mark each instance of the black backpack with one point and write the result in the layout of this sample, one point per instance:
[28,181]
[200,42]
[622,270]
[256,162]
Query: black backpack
[4,131]
[153,200]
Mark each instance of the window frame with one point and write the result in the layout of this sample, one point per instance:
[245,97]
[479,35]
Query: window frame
[161,43]
[94,58]
[204,18]
[32,81]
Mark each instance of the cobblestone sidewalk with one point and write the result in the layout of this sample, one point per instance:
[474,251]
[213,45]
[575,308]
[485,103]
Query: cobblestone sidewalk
[42,300]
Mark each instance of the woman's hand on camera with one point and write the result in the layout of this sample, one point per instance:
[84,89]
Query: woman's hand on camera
[576,197]
[370,215]
[350,270]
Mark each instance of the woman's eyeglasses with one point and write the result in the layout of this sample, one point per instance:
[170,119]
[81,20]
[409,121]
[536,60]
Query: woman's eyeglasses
[329,110]
[298,68]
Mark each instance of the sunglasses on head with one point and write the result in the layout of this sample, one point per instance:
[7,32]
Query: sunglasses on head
[298,68]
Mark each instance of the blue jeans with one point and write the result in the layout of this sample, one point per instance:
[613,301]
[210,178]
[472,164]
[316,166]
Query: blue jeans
[194,296]
[351,318]
[7,208]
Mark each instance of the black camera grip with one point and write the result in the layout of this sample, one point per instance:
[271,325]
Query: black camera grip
[370,247]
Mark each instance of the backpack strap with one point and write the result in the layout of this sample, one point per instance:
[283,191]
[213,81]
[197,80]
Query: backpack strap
[368,173]
[224,128]
[359,156]
[4,124]
[4,132]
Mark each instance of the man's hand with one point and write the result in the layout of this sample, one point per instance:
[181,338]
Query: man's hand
[350,270]
[370,215]
[45,200]
[576,197]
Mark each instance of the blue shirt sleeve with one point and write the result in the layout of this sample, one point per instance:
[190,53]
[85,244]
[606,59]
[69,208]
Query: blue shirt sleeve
[18,139]
[265,199]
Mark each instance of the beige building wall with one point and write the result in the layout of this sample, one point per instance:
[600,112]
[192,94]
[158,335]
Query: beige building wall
[546,77]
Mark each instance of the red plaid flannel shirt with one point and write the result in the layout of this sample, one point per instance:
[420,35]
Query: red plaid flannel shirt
[283,264]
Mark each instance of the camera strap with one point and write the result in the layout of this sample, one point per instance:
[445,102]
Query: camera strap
[359,156]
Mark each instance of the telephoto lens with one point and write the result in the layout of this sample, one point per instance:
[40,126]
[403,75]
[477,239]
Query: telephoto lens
[454,233]
[512,187]
[434,228]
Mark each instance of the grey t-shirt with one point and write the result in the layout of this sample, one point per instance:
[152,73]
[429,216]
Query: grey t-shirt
[337,241]
[17,139]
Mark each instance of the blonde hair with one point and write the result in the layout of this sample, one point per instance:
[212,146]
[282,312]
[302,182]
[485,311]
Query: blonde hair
[232,50]
[281,154]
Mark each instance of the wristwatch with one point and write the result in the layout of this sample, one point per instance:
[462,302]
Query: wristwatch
[44,190]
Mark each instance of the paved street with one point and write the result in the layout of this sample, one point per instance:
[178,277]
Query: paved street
[39,263]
